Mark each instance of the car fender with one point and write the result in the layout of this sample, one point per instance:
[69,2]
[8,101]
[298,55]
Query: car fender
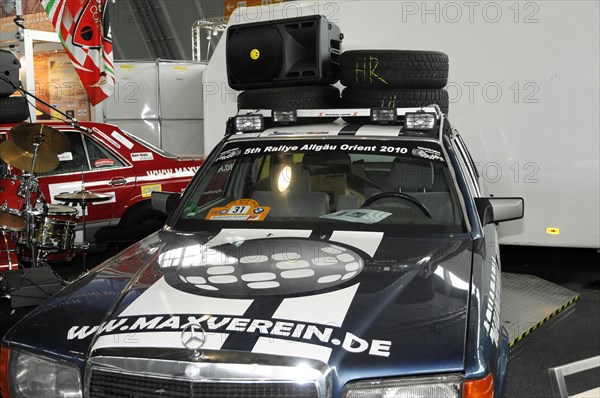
[488,341]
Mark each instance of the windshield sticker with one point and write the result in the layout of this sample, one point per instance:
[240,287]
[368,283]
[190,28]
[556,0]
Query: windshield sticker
[416,149]
[363,216]
[128,144]
[65,156]
[229,154]
[239,210]
[141,156]
[428,153]
[299,133]
[104,163]
[148,189]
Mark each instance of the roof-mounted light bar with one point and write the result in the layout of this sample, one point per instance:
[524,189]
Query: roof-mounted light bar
[339,112]
[414,119]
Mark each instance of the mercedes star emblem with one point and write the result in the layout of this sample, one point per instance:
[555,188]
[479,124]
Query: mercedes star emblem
[193,337]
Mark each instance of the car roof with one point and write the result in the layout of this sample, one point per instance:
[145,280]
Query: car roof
[55,124]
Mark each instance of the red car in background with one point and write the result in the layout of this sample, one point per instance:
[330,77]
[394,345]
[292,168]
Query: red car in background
[102,159]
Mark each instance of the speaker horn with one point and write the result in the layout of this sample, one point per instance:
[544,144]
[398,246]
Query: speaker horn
[284,52]
[9,69]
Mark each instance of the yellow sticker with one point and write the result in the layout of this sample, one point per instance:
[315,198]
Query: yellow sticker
[148,189]
[255,54]
[553,231]
[239,210]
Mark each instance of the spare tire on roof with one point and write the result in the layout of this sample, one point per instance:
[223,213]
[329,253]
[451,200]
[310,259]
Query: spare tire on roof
[301,97]
[13,109]
[291,98]
[394,98]
[394,68]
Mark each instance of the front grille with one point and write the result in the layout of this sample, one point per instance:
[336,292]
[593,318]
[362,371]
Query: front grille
[115,385]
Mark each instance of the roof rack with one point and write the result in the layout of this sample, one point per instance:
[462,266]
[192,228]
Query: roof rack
[341,112]
[421,120]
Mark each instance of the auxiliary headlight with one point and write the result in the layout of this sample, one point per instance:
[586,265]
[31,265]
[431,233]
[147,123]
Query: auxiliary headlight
[249,123]
[420,121]
[447,386]
[285,116]
[37,377]
[383,115]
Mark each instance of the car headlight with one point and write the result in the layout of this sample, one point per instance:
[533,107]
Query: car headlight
[443,386]
[33,376]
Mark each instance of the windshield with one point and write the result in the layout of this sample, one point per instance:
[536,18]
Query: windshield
[338,183]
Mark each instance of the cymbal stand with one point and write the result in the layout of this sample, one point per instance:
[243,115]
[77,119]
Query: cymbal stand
[84,245]
[30,218]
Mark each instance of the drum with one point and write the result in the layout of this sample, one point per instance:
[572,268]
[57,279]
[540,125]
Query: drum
[13,200]
[57,229]
[54,235]
[8,252]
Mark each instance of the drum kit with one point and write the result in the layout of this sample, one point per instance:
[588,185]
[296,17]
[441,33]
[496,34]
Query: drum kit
[32,229]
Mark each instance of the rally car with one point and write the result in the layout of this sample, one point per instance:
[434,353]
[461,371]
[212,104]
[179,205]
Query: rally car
[327,260]
[102,159]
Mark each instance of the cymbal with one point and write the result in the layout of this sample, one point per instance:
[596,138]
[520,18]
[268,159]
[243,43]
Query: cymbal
[11,222]
[17,157]
[50,139]
[82,197]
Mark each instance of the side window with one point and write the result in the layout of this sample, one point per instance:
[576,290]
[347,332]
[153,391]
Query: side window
[75,159]
[100,158]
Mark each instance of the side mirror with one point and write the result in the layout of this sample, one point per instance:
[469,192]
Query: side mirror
[165,202]
[494,210]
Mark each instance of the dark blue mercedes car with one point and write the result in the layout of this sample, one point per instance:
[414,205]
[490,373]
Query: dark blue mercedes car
[325,260]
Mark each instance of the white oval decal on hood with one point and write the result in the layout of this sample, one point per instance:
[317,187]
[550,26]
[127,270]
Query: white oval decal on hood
[260,267]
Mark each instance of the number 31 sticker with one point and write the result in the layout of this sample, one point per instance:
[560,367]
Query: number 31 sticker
[239,210]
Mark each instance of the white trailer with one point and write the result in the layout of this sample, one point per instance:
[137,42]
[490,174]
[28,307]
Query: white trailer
[524,93]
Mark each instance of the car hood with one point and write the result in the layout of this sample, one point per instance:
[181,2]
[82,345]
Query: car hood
[365,303]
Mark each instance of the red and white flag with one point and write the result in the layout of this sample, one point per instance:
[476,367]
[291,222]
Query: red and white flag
[84,30]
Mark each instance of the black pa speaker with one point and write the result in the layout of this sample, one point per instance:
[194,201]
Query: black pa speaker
[284,52]
[9,69]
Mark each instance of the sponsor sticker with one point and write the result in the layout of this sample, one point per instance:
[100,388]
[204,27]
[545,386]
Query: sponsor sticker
[105,138]
[141,156]
[65,156]
[148,189]
[292,329]
[363,216]
[427,153]
[104,163]
[128,144]
[176,172]
[239,210]
[228,154]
